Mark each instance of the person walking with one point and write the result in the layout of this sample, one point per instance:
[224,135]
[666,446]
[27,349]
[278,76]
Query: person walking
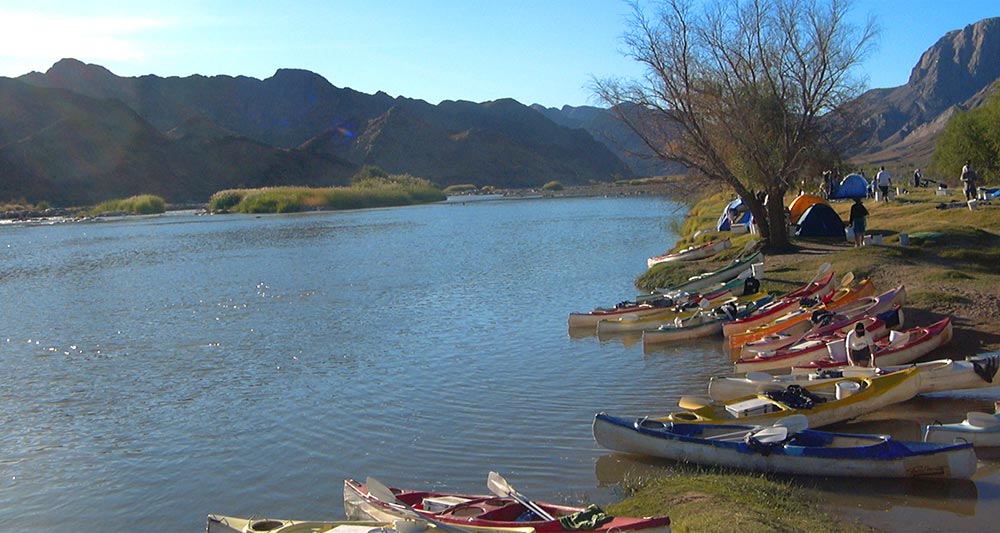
[916,178]
[858,221]
[969,180]
[884,180]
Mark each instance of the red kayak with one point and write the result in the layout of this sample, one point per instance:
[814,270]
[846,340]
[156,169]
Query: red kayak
[486,511]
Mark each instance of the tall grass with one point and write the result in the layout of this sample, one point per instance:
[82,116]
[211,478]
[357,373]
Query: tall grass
[370,192]
[143,204]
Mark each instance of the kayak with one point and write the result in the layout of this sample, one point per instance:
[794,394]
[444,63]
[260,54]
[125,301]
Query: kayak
[899,348]
[745,266]
[934,376]
[978,429]
[663,303]
[691,253]
[816,290]
[652,320]
[813,348]
[698,326]
[488,511]
[779,449]
[822,403]
[232,524]
[851,301]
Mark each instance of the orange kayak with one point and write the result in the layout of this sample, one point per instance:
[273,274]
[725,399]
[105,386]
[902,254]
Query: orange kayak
[839,298]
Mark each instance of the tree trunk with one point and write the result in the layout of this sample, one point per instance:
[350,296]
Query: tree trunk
[777,227]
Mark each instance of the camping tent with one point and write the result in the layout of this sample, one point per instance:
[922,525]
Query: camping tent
[820,220]
[801,203]
[743,215]
[852,186]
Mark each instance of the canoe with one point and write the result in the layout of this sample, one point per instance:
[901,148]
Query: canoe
[691,253]
[978,429]
[934,376]
[653,320]
[811,349]
[232,524]
[698,326]
[744,266]
[665,302]
[775,449]
[463,510]
[899,348]
[825,322]
[815,290]
[823,403]
[852,301]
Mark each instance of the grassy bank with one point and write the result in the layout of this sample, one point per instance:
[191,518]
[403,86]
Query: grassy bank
[703,500]
[368,193]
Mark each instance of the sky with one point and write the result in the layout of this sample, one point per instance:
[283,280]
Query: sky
[535,51]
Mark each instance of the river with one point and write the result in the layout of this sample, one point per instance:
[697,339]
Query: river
[158,369]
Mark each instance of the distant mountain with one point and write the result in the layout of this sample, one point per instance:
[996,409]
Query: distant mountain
[604,126]
[294,127]
[71,149]
[902,123]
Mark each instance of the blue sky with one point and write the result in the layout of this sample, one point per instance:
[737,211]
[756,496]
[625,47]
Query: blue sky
[535,51]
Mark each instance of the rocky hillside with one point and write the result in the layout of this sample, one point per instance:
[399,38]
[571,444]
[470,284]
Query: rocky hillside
[956,73]
[200,134]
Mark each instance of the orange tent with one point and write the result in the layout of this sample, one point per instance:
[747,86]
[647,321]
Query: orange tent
[800,204]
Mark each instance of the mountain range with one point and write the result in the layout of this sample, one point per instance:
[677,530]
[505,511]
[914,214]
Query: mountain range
[78,134]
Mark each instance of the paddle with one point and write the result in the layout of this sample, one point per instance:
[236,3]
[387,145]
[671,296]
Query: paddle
[499,486]
[847,279]
[823,269]
[776,432]
[692,403]
[384,494]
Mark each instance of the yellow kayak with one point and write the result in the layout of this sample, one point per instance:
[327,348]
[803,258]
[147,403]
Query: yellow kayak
[823,403]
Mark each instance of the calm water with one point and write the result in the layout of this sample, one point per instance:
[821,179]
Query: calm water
[159,369]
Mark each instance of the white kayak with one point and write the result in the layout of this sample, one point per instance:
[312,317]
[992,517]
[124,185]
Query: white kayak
[980,429]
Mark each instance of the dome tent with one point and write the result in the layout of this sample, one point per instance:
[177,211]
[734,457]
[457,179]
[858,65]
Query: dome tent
[801,203]
[743,217]
[820,220]
[852,186]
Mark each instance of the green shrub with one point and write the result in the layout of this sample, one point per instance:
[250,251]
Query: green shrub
[371,191]
[552,186]
[143,204]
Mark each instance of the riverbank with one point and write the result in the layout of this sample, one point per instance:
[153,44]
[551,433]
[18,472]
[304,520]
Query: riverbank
[943,253]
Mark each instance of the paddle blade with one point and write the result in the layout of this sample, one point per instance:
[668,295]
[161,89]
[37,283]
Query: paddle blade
[823,269]
[498,485]
[380,491]
[793,423]
[693,402]
[847,279]
[770,435]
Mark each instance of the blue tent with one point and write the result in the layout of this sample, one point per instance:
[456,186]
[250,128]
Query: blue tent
[820,220]
[743,215]
[852,186]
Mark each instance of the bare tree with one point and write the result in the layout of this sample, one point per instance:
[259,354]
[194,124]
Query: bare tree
[735,91]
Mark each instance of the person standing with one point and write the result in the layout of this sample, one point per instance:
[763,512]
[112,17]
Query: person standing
[916,178]
[969,180]
[858,221]
[884,180]
[860,347]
